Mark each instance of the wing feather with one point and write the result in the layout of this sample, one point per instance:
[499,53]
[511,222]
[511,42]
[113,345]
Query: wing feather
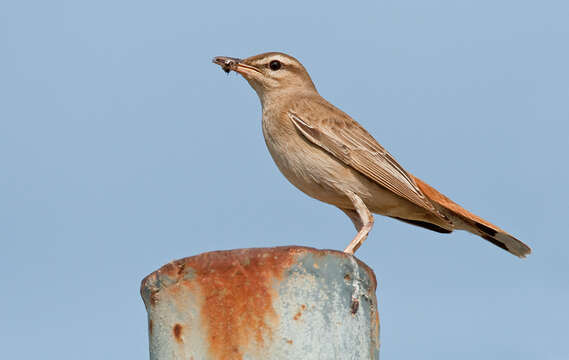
[349,142]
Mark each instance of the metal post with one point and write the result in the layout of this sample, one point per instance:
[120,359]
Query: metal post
[268,303]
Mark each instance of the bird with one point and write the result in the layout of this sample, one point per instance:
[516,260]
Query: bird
[330,157]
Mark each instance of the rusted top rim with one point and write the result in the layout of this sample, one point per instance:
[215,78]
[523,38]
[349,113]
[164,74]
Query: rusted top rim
[227,257]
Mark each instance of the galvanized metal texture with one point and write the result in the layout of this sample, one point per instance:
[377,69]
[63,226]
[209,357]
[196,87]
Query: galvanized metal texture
[267,303]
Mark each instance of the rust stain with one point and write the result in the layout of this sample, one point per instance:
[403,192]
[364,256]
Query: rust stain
[177,331]
[238,295]
[288,341]
[181,268]
[148,285]
[354,306]
[150,327]
[299,313]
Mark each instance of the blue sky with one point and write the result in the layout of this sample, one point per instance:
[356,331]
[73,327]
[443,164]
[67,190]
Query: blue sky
[123,147]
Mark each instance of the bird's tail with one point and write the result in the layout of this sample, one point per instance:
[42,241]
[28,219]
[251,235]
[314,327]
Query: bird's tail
[464,220]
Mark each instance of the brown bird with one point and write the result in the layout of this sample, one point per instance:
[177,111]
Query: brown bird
[330,157]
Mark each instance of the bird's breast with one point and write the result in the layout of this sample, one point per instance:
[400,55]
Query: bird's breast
[305,165]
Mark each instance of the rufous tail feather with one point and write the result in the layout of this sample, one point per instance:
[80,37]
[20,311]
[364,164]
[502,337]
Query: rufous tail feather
[465,220]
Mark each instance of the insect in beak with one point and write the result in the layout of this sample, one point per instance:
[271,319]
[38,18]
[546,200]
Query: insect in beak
[226,63]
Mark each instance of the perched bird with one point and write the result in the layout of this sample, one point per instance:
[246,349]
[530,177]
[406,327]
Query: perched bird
[330,157]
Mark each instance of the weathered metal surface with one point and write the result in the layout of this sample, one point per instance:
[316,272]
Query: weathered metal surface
[267,303]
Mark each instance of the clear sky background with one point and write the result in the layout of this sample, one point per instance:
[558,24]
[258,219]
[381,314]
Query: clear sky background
[123,147]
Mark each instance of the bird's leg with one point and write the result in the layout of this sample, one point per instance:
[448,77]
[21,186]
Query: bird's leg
[362,219]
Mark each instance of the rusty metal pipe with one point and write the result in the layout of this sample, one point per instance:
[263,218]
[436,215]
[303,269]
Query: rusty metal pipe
[268,303]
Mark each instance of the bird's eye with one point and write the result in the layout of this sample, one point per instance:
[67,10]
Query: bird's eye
[275,65]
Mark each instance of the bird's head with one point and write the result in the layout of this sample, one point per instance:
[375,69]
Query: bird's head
[269,73]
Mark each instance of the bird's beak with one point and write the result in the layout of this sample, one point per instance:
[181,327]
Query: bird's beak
[228,63]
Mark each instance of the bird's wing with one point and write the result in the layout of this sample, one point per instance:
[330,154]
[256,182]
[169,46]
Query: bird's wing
[349,142]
